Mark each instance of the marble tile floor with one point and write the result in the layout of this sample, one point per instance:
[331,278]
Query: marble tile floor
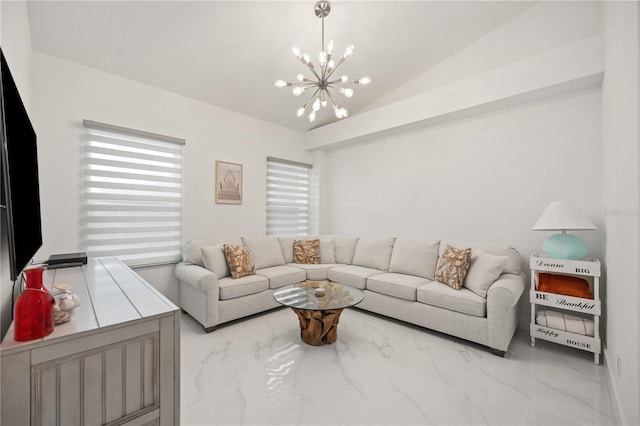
[256,371]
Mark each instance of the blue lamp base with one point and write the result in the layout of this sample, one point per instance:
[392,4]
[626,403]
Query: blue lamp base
[564,246]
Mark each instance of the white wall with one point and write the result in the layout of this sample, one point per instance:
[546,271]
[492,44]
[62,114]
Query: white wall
[65,93]
[621,202]
[16,45]
[15,40]
[483,178]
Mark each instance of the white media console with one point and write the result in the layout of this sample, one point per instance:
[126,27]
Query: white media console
[117,361]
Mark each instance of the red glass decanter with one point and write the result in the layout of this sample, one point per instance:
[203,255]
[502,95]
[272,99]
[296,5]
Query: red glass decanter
[33,315]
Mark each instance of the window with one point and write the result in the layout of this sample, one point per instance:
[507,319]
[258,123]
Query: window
[132,195]
[288,197]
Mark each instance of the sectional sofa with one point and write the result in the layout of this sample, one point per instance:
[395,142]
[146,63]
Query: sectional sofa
[397,276]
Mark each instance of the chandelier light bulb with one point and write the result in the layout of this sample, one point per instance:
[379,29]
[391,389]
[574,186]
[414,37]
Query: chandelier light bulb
[322,81]
[348,51]
[347,92]
[323,98]
[340,111]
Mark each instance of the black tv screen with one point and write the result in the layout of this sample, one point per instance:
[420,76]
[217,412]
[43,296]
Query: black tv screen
[21,190]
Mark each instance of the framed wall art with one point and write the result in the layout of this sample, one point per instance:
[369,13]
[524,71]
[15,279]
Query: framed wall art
[228,183]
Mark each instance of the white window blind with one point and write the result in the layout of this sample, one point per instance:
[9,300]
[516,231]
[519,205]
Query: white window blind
[288,197]
[132,195]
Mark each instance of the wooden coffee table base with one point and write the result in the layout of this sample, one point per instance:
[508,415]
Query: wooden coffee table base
[318,327]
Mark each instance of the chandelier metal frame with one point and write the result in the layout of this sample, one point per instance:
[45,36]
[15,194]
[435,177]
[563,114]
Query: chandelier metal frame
[322,81]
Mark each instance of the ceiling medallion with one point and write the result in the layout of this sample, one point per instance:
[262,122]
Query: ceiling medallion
[322,81]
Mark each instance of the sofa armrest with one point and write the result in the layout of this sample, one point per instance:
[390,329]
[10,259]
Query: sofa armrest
[506,290]
[199,293]
[197,277]
[503,309]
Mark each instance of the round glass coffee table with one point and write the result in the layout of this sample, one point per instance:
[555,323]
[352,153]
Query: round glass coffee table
[318,305]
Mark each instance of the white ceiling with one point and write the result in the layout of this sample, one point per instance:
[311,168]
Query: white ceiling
[229,53]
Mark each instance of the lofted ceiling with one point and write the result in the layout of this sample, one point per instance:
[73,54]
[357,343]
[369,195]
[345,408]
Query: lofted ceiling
[229,53]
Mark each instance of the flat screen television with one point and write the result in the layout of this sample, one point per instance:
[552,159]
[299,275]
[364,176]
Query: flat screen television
[20,184]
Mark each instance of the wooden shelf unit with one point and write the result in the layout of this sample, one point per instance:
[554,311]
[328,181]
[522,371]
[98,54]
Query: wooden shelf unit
[588,269]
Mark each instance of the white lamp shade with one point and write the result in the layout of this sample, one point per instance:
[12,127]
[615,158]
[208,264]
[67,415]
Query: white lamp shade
[562,216]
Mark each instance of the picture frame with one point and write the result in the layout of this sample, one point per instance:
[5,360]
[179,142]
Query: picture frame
[228,183]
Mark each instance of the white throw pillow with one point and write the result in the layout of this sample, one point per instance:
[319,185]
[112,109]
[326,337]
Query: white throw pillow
[485,268]
[286,244]
[415,257]
[345,248]
[513,263]
[264,251]
[327,250]
[374,253]
[214,260]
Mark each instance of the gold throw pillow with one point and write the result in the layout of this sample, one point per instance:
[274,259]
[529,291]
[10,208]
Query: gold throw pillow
[307,251]
[239,261]
[453,266]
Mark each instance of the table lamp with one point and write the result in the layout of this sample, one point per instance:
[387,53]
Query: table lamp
[563,216]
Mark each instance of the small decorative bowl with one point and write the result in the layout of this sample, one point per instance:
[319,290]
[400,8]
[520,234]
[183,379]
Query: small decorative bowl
[66,303]
[319,292]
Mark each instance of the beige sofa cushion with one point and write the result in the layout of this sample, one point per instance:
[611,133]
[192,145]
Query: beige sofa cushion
[441,295]
[231,288]
[345,249]
[396,285]
[286,244]
[355,276]
[215,261]
[317,272]
[264,251]
[513,265]
[374,253]
[327,250]
[280,276]
[415,257]
[191,250]
[485,268]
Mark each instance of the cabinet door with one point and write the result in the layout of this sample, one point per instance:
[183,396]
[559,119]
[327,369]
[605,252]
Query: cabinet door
[109,384]
[14,382]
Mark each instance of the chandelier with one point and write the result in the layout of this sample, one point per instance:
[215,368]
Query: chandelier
[322,82]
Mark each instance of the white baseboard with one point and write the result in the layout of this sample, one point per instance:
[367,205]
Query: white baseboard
[614,392]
